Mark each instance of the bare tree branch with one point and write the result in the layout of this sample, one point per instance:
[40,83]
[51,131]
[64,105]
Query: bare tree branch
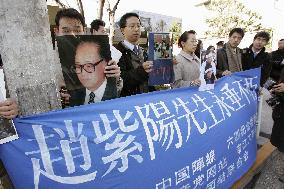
[61,4]
[115,6]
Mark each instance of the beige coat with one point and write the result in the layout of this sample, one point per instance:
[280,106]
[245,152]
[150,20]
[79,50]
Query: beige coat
[186,70]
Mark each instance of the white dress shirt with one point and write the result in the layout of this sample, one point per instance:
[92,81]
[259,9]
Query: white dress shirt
[99,93]
[129,45]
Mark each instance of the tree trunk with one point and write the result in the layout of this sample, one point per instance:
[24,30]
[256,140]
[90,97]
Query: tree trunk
[100,9]
[31,65]
[80,5]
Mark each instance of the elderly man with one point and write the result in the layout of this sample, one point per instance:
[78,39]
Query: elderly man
[90,62]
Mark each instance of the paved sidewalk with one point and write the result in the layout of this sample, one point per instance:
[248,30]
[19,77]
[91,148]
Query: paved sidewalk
[269,176]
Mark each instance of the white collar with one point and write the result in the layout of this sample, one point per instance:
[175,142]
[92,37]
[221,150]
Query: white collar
[255,52]
[99,93]
[129,45]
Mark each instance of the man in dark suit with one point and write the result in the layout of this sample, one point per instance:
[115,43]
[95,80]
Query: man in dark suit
[134,68]
[89,66]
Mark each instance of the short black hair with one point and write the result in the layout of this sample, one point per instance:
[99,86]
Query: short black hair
[281,40]
[122,21]
[262,34]
[69,13]
[237,30]
[184,37]
[95,25]
[220,43]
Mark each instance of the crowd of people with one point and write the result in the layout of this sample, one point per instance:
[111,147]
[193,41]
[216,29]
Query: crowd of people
[132,70]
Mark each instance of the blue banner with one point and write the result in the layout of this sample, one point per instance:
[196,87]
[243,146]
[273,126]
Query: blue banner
[181,138]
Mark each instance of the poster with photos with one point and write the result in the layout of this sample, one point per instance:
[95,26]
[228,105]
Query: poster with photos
[7,128]
[83,59]
[208,61]
[161,53]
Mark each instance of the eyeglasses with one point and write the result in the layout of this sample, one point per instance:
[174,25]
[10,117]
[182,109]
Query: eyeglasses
[193,41]
[132,27]
[88,67]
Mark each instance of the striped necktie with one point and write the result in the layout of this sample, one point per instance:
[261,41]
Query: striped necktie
[135,49]
[92,98]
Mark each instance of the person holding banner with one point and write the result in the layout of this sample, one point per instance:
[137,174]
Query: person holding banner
[255,56]
[277,135]
[229,58]
[187,69]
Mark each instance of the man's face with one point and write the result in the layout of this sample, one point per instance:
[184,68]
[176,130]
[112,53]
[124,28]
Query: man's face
[101,31]
[259,43]
[69,26]
[87,54]
[132,31]
[281,44]
[190,44]
[235,39]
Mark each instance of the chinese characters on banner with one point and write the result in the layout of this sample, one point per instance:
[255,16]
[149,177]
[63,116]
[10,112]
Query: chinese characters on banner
[181,138]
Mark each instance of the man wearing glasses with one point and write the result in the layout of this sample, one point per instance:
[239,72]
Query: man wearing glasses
[134,68]
[89,67]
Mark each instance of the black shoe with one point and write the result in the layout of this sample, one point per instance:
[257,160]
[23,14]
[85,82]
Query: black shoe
[281,178]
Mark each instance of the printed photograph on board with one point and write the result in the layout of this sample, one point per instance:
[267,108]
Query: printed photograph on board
[162,46]
[83,60]
[208,68]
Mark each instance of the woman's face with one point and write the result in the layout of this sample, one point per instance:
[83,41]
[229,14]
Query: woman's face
[190,45]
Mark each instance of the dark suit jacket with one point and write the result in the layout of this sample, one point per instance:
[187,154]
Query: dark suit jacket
[276,58]
[262,60]
[222,61]
[78,96]
[132,77]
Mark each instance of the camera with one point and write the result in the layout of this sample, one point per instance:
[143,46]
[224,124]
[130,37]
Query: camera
[269,84]
[276,98]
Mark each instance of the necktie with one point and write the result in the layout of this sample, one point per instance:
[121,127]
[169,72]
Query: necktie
[92,98]
[135,49]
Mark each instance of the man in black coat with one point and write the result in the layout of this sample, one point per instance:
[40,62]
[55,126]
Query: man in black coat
[277,60]
[255,56]
[134,68]
[277,135]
